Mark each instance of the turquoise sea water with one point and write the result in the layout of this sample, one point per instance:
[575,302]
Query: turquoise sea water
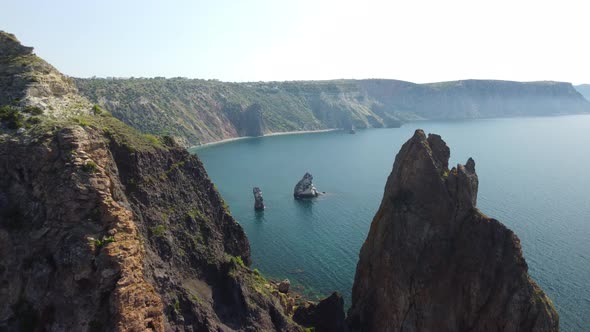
[534,177]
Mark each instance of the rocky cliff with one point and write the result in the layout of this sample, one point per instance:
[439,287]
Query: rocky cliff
[103,228]
[200,111]
[106,229]
[28,81]
[433,262]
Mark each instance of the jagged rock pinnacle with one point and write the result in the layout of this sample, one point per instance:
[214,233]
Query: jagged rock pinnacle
[433,262]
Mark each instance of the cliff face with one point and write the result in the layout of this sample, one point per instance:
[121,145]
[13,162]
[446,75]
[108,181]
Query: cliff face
[584,90]
[199,111]
[103,228]
[433,262]
[61,207]
[469,99]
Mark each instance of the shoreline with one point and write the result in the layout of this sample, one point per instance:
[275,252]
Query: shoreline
[416,121]
[280,133]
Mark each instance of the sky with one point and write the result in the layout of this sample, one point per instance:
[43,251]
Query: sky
[276,40]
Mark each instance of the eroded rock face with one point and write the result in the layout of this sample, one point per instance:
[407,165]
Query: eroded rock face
[305,188]
[103,230]
[71,252]
[28,81]
[433,262]
[10,46]
[325,316]
[258,200]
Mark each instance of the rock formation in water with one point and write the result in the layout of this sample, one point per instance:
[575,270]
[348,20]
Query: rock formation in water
[106,229]
[258,200]
[433,262]
[325,316]
[305,188]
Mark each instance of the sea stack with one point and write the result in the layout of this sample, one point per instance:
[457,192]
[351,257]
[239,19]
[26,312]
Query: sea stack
[258,200]
[305,188]
[433,262]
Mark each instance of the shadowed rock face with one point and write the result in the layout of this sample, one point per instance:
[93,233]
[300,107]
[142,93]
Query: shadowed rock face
[10,46]
[433,262]
[325,316]
[102,229]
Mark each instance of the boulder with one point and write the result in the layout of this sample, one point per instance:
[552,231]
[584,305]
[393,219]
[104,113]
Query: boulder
[284,286]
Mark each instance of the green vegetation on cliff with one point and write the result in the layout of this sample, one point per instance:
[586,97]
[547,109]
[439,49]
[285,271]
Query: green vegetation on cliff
[202,111]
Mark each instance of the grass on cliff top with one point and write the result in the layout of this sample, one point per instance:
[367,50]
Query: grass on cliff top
[114,129]
[124,135]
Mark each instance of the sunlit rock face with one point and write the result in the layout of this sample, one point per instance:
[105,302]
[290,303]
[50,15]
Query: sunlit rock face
[433,262]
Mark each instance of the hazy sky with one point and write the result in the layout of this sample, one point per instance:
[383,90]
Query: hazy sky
[419,41]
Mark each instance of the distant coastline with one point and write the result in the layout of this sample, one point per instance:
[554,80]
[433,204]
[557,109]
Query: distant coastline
[279,133]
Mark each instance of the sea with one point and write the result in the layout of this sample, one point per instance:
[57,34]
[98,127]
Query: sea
[534,175]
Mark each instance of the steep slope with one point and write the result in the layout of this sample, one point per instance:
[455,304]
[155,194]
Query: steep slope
[584,90]
[202,111]
[28,81]
[433,262]
[103,228]
[199,111]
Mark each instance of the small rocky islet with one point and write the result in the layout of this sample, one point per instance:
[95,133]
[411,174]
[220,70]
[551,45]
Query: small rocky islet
[258,200]
[303,189]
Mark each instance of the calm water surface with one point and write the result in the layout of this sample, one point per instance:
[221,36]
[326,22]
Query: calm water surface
[534,177]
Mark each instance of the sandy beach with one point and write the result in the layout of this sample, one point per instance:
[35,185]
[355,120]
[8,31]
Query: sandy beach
[227,140]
